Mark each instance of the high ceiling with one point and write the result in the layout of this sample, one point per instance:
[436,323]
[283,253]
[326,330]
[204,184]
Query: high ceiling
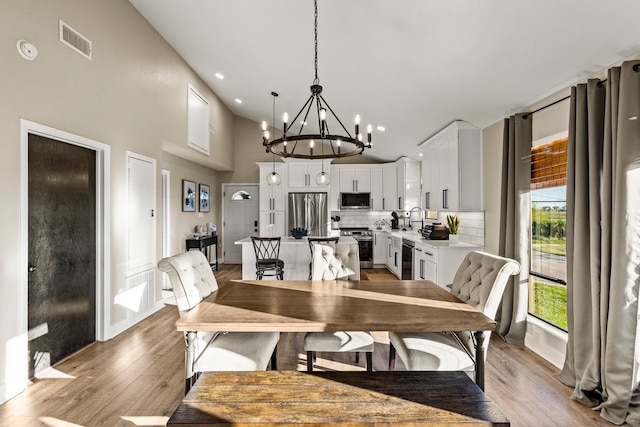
[412,66]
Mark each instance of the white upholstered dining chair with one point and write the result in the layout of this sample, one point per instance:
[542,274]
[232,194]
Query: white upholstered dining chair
[479,281]
[192,280]
[337,262]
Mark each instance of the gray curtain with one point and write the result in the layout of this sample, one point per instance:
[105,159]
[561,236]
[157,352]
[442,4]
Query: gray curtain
[515,220]
[603,245]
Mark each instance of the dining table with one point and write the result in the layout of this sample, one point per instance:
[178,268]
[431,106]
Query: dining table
[342,305]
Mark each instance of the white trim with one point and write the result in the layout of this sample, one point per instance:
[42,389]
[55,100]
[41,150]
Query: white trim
[166,222]
[547,341]
[194,100]
[550,138]
[103,234]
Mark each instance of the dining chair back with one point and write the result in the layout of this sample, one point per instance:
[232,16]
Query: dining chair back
[480,281]
[192,280]
[331,263]
[341,261]
[268,262]
[328,241]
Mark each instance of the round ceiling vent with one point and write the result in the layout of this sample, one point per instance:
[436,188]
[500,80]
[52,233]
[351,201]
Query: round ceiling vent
[27,50]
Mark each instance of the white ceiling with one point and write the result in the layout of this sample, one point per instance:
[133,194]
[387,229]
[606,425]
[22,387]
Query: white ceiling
[412,66]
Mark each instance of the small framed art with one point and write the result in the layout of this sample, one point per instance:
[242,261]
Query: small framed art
[204,198]
[188,196]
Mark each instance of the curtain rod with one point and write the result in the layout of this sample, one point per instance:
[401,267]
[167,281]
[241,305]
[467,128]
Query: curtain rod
[635,68]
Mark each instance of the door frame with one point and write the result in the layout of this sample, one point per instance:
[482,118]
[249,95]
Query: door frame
[224,188]
[103,231]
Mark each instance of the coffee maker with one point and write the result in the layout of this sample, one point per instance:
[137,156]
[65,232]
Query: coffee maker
[394,221]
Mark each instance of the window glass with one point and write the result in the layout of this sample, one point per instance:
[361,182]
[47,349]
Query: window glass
[548,275]
[241,195]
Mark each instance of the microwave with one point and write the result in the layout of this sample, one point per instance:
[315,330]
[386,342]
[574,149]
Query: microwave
[355,200]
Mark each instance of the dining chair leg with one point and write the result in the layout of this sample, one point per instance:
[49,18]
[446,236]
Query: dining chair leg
[369,356]
[310,361]
[357,357]
[274,359]
[392,357]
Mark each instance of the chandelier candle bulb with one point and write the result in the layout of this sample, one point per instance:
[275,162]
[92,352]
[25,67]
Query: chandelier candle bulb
[369,129]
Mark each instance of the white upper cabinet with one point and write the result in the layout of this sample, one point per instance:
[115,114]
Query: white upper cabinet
[355,179]
[452,169]
[303,173]
[376,188]
[389,186]
[408,184]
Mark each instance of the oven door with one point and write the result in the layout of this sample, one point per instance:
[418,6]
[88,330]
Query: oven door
[365,247]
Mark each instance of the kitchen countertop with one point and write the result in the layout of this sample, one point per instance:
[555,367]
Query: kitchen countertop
[416,237]
[293,240]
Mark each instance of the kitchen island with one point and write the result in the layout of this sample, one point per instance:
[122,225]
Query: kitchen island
[294,252]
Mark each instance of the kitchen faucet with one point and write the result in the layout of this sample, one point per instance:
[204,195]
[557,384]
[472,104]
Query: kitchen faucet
[421,216]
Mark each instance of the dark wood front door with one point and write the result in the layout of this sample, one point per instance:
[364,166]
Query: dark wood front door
[62,250]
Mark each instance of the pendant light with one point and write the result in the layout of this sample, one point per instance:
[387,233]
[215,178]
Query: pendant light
[274,177]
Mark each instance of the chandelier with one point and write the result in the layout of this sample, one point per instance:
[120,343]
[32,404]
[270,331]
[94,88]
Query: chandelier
[320,143]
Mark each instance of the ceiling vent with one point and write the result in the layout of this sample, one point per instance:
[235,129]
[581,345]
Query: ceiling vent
[75,40]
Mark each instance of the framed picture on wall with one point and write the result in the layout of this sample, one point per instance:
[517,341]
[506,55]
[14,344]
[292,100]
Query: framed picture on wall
[204,198]
[188,196]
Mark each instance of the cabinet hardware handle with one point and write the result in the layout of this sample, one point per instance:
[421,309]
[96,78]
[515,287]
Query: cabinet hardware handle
[428,253]
[445,201]
[422,269]
[418,250]
[427,202]
[399,202]
[383,203]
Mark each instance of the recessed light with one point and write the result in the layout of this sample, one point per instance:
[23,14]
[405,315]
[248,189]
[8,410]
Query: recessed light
[420,154]
[220,76]
[238,100]
[381,128]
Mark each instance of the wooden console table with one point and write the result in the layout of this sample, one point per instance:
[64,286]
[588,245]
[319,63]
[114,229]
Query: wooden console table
[336,398]
[203,244]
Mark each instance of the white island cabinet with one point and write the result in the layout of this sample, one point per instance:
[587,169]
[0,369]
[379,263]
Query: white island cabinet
[294,252]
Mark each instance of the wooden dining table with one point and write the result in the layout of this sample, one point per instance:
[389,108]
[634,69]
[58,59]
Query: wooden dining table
[319,306]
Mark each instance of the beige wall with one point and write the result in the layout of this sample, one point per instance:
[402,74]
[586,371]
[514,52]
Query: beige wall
[131,96]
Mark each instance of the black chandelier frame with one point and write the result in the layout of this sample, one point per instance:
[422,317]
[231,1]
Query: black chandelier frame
[337,146]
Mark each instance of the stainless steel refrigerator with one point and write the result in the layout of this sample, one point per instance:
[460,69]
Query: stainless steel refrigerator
[309,210]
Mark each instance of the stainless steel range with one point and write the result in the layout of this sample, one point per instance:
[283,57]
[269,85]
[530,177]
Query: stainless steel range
[364,237]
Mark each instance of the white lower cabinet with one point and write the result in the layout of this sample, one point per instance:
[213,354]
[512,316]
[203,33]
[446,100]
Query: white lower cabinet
[424,263]
[394,255]
[439,263]
[379,248]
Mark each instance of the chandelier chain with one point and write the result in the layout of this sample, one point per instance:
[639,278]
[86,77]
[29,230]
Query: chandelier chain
[315,16]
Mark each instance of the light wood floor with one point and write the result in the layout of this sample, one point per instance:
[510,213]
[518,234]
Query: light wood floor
[136,379]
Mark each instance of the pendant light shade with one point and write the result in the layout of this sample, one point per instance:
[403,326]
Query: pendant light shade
[322,178]
[274,178]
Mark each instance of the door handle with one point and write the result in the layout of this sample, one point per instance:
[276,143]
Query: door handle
[31,268]
[255,223]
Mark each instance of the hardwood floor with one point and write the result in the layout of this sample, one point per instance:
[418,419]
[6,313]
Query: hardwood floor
[136,379]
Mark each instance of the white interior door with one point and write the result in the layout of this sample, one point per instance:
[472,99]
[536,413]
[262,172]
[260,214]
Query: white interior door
[240,218]
[141,233]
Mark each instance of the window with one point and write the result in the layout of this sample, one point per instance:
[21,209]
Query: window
[548,275]
[241,195]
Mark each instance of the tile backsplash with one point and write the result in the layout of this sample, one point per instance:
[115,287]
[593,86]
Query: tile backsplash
[471,223]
